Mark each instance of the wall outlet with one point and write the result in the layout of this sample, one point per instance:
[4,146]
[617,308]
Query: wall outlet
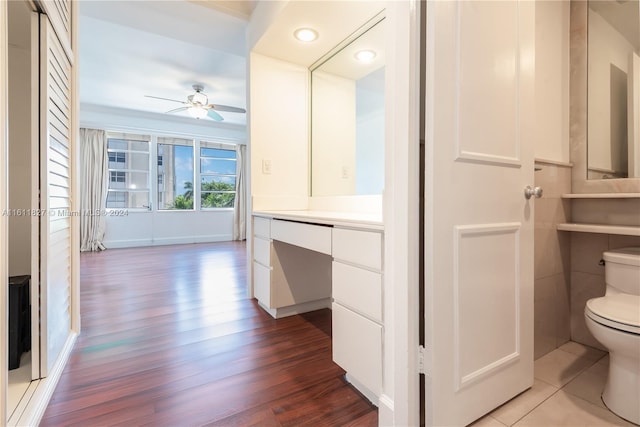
[266,167]
[345,172]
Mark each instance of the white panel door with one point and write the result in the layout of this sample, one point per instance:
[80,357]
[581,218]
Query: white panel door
[55,198]
[478,224]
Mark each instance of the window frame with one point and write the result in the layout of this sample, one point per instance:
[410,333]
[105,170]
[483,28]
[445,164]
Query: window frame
[153,139]
[171,140]
[128,136]
[217,146]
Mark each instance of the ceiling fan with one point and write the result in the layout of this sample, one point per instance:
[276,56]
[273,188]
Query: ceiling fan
[197,105]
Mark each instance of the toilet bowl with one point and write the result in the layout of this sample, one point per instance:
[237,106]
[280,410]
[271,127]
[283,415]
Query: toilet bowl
[614,320]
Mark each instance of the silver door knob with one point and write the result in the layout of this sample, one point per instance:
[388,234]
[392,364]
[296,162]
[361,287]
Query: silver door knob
[532,191]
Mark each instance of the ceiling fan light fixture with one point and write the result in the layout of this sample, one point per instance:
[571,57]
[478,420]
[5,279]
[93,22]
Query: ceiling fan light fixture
[305,34]
[365,56]
[197,112]
[199,98]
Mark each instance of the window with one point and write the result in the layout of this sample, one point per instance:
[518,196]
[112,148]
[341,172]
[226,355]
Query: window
[128,170]
[117,176]
[117,157]
[217,176]
[175,173]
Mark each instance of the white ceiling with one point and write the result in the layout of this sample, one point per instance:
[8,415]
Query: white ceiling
[129,49]
[334,20]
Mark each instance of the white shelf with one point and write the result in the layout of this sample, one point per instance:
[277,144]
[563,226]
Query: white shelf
[602,229]
[602,196]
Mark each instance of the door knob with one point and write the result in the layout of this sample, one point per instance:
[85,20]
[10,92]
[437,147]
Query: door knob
[532,191]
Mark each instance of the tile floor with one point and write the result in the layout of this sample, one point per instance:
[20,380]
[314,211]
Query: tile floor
[566,392]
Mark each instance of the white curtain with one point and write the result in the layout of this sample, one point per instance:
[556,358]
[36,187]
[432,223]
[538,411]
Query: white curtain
[94,170]
[240,207]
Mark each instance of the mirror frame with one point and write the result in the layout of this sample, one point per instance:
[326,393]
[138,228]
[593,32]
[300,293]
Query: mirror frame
[578,111]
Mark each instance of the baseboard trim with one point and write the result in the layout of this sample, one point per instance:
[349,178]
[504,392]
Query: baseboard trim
[385,411]
[370,395]
[35,402]
[136,243]
[292,310]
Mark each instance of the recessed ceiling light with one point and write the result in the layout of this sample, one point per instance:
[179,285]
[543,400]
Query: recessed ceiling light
[365,55]
[306,34]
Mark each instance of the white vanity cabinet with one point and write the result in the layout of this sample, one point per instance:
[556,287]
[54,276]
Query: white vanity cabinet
[307,262]
[262,260]
[357,321]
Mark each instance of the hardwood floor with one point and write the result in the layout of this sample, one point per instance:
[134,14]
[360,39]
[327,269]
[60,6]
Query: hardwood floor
[169,338]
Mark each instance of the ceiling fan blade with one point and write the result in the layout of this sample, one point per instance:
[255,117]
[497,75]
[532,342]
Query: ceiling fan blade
[215,116]
[175,110]
[166,99]
[221,107]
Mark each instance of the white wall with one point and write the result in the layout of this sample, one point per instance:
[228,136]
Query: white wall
[279,91]
[148,228]
[607,47]
[168,227]
[19,159]
[552,81]
[122,119]
[333,149]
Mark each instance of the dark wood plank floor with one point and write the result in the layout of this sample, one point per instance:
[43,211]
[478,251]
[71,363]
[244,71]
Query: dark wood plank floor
[169,338]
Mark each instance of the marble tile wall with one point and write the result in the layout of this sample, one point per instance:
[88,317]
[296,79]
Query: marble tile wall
[552,265]
[587,276]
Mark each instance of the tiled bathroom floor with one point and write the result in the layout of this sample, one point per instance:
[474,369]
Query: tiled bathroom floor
[566,392]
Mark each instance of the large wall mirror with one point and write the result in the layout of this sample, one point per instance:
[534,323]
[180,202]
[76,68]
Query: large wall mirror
[613,99]
[347,117]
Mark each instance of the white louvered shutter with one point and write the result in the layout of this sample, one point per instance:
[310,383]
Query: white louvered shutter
[55,201]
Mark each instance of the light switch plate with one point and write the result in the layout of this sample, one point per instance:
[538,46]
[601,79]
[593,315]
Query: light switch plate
[266,167]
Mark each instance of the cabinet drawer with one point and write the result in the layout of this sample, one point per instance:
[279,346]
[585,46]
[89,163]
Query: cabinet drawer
[314,237]
[357,347]
[261,227]
[360,247]
[262,284]
[358,289]
[262,251]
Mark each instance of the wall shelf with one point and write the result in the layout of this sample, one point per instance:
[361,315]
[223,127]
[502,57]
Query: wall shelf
[602,229]
[601,196]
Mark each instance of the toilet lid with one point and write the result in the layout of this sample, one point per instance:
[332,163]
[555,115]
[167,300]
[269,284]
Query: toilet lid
[619,311]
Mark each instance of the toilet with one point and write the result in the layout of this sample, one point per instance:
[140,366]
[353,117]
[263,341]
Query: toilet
[614,320]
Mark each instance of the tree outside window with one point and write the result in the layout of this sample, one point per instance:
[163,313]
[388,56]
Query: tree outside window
[217,176]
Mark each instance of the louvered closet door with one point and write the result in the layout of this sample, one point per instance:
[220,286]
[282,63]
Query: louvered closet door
[59,13]
[55,225]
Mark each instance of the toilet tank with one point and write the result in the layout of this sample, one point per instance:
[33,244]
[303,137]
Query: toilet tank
[622,270]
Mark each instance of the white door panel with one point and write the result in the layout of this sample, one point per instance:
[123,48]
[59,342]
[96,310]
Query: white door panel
[486,288]
[478,224]
[486,68]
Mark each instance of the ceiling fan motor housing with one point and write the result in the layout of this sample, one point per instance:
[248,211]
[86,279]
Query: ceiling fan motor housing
[198,98]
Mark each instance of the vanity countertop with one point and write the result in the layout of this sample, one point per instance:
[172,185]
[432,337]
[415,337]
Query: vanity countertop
[346,219]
